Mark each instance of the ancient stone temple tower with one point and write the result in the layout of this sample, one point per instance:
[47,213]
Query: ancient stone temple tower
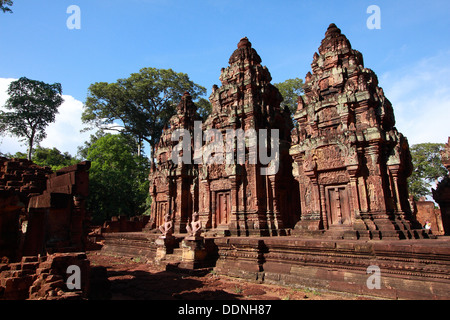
[247,197]
[350,160]
[172,185]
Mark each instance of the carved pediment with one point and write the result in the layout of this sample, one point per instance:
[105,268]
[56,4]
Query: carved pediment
[329,157]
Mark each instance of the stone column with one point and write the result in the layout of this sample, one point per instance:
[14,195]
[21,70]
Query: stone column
[213,210]
[394,170]
[375,179]
[362,188]
[278,221]
[354,195]
[323,205]
[180,217]
[234,225]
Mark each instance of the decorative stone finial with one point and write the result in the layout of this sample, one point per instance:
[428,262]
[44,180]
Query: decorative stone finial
[244,43]
[333,29]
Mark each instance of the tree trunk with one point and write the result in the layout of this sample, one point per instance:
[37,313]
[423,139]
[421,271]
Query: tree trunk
[139,146]
[153,153]
[30,147]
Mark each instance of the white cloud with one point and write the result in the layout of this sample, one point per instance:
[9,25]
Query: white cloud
[420,96]
[63,134]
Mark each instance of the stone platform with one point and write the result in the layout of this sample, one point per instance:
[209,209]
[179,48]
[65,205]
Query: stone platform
[144,246]
[130,244]
[408,269]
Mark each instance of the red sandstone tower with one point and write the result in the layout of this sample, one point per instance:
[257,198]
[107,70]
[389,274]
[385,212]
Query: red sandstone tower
[172,185]
[231,197]
[237,198]
[350,160]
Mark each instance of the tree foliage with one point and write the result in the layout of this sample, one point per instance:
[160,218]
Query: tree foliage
[5,5]
[290,90]
[53,158]
[17,155]
[428,168]
[33,106]
[139,105]
[118,178]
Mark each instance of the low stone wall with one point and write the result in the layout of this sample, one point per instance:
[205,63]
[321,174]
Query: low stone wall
[130,244]
[124,224]
[416,269]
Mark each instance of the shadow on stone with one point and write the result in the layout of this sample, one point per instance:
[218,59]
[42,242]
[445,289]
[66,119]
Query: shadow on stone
[144,285]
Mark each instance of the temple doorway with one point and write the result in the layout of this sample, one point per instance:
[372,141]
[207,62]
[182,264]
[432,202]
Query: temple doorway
[338,205]
[223,208]
[161,210]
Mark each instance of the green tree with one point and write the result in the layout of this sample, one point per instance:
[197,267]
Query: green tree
[290,90]
[427,166]
[5,4]
[118,178]
[140,105]
[17,155]
[33,106]
[82,152]
[52,158]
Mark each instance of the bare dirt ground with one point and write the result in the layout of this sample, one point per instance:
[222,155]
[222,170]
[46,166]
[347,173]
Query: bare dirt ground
[129,279]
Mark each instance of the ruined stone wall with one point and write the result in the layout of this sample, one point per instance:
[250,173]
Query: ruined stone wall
[60,211]
[44,277]
[23,177]
[124,224]
[425,211]
[19,180]
[41,211]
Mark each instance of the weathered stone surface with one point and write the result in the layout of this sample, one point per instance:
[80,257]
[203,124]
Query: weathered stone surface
[41,211]
[44,277]
[19,179]
[22,176]
[66,220]
[350,160]
[426,213]
[409,269]
[131,244]
[124,224]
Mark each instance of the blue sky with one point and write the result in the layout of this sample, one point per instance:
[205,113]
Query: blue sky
[410,53]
